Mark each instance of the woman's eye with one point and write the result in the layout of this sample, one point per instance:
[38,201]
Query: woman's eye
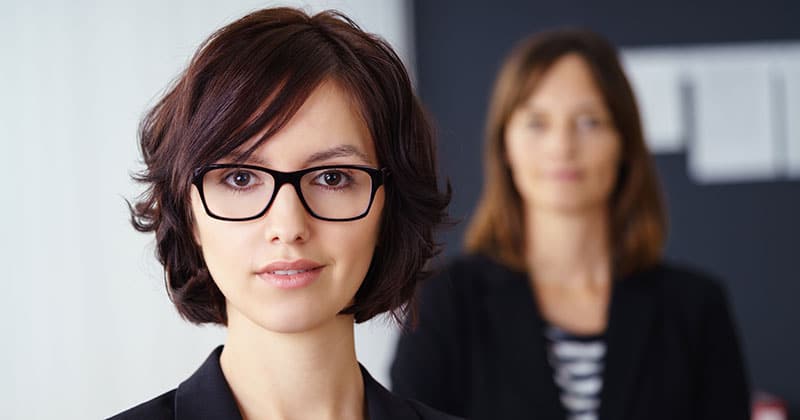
[332,178]
[536,124]
[589,122]
[335,179]
[240,179]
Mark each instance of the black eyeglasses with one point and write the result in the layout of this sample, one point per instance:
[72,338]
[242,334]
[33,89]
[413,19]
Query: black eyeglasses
[238,193]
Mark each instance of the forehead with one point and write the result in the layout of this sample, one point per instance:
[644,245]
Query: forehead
[569,81]
[327,127]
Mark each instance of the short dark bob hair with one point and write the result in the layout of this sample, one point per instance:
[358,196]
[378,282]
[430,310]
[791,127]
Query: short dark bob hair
[637,217]
[252,76]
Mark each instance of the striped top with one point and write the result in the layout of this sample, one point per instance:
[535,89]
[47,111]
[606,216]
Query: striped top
[577,362]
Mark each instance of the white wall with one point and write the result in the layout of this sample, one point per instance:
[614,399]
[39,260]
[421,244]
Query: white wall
[87,328]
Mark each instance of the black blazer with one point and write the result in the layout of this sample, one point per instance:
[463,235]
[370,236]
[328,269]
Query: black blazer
[206,395]
[479,348]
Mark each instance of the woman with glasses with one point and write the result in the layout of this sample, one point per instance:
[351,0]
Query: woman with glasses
[563,307]
[292,190]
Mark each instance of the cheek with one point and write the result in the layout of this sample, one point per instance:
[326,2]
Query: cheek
[606,161]
[355,242]
[511,146]
[521,147]
[375,217]
[613,156]
[222,244]
[522,160]
[215,256]
[514,148]
[369,230]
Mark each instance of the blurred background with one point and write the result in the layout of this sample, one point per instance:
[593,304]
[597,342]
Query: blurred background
[719,88]
[87,328]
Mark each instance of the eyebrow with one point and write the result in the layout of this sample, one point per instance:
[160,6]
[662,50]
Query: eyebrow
[344,150]
[585,106]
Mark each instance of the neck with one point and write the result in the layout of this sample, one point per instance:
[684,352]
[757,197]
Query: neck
[571,248]
[311,374]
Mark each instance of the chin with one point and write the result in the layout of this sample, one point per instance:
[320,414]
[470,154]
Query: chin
[293,320]
[566,201]
[568,205]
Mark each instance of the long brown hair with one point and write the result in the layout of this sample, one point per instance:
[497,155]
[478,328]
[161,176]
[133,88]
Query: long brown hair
[637,216]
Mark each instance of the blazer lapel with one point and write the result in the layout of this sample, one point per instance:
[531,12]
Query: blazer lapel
[382,404]
[522,377]
[629,324]
[206,394]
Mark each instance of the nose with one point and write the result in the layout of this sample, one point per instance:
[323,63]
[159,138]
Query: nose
[563,141]
[287,219]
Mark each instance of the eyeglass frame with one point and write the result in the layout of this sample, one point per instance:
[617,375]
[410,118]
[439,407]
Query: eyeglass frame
[377,178]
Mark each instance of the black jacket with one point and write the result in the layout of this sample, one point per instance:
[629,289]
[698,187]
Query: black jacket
[479,349]
[206,395]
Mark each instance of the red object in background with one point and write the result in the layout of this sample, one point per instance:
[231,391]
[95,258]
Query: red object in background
[769,407]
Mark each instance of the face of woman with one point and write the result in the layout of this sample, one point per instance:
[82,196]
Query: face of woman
[287,271]
[562,146]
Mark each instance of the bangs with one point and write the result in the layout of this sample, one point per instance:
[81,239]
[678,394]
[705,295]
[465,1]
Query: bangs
[254,92]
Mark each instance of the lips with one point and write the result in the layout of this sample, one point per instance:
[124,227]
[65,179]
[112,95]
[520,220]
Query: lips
[567,174]
[289,267]
[290,274]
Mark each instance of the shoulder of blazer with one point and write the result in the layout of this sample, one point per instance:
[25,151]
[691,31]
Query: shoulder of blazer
[161,407]
[427,413]
[687,296]
[455,286]
[382,404]
[474,263]
[475,272]
[688,288]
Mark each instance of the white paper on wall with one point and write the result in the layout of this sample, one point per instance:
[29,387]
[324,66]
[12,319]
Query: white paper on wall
[734,138]
[655,76]
[791,78]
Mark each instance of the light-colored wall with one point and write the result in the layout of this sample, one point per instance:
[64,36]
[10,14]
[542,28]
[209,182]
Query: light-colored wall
[731,108]
[87,329]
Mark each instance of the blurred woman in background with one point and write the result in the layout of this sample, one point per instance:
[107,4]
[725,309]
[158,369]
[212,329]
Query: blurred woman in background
[563,307]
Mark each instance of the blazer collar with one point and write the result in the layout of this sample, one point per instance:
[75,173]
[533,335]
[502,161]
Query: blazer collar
[630,319]
[518,327]
[206,394]
[382,404]
[524,378]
